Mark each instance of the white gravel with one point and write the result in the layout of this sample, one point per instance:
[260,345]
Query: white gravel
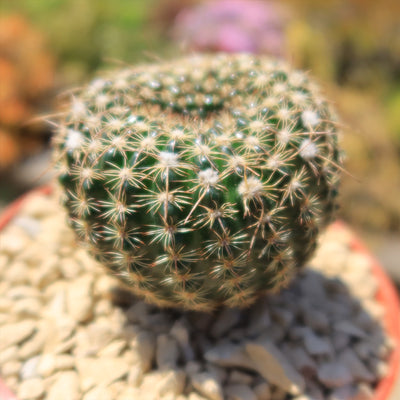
[69,331]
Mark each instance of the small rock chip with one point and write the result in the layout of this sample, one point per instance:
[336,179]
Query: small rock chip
[181,334]
[271,364]
[80,299]
[97,371]
[46,365]
[334,374]
[98,393]
[10,368]
[347,327]
[195,396]
[11,334]
[340,341]
[317,345]
[240,392]
[161,383]
[65,387]
[343,393]
[167,352]
[262,391]
[227,354]
[29,368]
[363,392]
[129,393]
[358,370]
[10,353]
[224,322]
[35,344]
[207,385]
[114,349]
[64,362]
[316,319]
[240,377]
[300,359]
[31,389]
[69,268]
[14,241]
[144,344]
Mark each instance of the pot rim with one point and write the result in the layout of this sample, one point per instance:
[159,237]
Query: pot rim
[386,295]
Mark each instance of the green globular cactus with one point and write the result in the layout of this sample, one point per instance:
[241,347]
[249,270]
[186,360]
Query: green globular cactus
[202,181]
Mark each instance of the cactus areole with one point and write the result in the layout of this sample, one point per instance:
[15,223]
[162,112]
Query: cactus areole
[202,181]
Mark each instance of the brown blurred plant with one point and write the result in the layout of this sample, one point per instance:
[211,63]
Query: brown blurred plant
[26,76]
[370,197]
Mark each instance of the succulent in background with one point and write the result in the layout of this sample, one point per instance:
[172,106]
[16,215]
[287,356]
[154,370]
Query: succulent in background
[202,181]
[232,26]
[26,74]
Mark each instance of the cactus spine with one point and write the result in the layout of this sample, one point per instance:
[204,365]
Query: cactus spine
[202,181]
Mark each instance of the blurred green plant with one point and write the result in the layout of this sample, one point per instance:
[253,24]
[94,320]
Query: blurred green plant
[85,35]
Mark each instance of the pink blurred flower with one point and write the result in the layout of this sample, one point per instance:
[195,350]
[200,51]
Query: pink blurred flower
[232,26]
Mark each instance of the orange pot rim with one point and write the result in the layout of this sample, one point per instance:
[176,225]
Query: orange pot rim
[386,295]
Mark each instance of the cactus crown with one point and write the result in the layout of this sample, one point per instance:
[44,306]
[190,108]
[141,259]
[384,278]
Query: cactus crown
[202,181]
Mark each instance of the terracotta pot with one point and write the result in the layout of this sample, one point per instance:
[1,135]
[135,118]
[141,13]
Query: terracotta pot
[386,295]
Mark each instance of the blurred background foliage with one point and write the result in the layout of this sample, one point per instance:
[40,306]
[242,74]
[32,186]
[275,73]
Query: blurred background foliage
[351,46]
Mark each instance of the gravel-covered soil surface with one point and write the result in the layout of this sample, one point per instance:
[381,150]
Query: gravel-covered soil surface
[69,331]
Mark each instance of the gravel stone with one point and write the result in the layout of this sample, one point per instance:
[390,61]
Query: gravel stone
[274,367]
[240,378]
[358,370]
[227,354]
[65,387]
[240,392]
[100,371]
[144,344]
[31,389]
[167,352]
[161,383]
[262,391]
[14,242]
[334,374]
[225,321]
[300,359]
[46,365]
[35,344]
[181,334]
[317,345]
[316,319]
[363,392]
[29,368]
[99,393]
[10,353]
[114,349]
[64,362]
[349,328]
[11,334]
[10,368]
[69,268]
[80,299]
[48,273]
[207,385]
[340,341]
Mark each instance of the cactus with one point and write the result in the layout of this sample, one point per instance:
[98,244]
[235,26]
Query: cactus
[202,181]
